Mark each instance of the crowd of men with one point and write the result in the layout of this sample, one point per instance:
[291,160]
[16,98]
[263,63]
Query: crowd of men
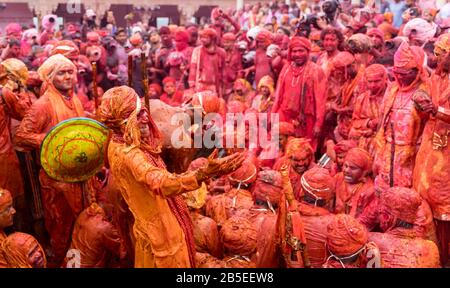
[360,177]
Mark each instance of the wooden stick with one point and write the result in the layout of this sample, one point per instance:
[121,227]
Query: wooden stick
[94,85]
[130,71]
[145,80]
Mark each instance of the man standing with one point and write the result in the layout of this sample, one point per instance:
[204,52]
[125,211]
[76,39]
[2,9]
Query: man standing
[207,64]
[402,122]
[233,62]
[366,111]
[431,178]
[162,226]
[62,202]
[300,94]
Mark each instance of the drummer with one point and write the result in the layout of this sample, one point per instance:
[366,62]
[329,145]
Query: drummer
[62,202]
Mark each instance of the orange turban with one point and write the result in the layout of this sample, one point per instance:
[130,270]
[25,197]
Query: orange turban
[360,158]
[299,145]
[345,235]
[267,81]
[208,100]
[17,248]
[5,199]
[318,182]
[117,105]
[402,203]
[66,48]
[442,44]
[52,65]
[182,36]
[297,41]
[238,236]
[268,186]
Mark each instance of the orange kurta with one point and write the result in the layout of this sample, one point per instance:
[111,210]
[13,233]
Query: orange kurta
[146,185]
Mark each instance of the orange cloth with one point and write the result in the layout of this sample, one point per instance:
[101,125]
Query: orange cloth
[17,248]
[206,235]
[316,237]
[61,201]
[345,235]
[397,252]
[238,236]
[162,226]
[353,199]
[95,238]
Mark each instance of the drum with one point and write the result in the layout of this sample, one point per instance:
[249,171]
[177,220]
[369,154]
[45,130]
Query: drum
[74,150]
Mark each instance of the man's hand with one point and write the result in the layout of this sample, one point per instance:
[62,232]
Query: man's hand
[220,166]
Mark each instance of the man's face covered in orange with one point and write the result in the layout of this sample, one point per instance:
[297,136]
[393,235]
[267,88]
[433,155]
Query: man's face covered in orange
[64,78]
[24,251]
[300,161]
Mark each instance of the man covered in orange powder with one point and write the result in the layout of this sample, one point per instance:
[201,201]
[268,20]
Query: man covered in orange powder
[431,177]
[366,114]
[300,158]
[354,187]
[162,226]
[14,103]
[300,95]
[6,219]
[62,202]
[22,250]
[402,122]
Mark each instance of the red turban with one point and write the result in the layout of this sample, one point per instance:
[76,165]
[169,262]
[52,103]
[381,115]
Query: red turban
[376,32]
[246,174]
[33,79]
[182,36]
[229,37]
[297,41]
[318,182]
[156,87]
[298,145]
[164,30]
[343,59]
[409,57]
[238,236]
[169,80]
[345,235]
[5,199]
[209,32]
[286,128]
[402,203]
[268,186]
[265,36]
[377,71]
[360,158]
[136,39]
[343,146]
